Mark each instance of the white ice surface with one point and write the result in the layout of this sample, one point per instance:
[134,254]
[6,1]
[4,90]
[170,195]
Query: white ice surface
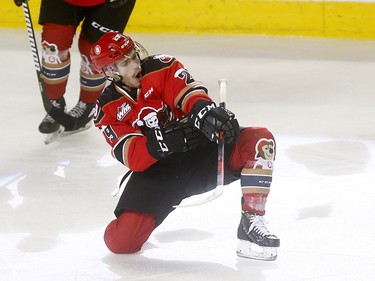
[316,95]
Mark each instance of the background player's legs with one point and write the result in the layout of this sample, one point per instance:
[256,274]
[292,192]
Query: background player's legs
[97,20]
[91,86]
[92,82]
[56,42]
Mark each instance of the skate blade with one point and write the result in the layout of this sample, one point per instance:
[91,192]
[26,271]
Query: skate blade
[62,133]
[201,199]
[54,136]
[84,128]
[249,250]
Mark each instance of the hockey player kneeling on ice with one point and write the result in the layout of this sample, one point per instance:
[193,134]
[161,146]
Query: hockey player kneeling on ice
[163,126]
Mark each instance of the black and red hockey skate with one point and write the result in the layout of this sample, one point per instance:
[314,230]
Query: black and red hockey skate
[82,112]
[256,241]
[48,124]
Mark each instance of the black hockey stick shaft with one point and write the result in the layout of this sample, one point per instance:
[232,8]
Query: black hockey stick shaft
[220,154]
[60,116]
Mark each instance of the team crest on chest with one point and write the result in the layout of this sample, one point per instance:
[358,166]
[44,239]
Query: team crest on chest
[151,120]
[150,117]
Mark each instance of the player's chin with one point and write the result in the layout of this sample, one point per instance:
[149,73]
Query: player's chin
[136,83]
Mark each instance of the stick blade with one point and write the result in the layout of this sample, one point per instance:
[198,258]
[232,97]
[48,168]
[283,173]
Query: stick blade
[201,199]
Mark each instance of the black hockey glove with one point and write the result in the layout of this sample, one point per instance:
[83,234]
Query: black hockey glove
[18,2]
[176,136]
[212,120]
[114,3]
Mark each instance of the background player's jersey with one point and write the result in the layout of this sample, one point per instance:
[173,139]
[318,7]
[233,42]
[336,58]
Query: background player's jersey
[85,2]
[167,92]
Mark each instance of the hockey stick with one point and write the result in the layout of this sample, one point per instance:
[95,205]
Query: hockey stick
[60,116]
[220,153]
[208,196]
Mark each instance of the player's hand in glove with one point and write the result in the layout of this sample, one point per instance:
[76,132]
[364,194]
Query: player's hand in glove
[113,3]
[176,136]
[18,2]
[212,120]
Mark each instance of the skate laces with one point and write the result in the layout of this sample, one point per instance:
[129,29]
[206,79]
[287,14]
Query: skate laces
[257,223]
[78,110]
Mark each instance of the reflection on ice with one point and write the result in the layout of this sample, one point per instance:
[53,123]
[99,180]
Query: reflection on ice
[16,199]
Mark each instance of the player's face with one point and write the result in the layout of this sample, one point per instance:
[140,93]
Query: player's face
[130,70]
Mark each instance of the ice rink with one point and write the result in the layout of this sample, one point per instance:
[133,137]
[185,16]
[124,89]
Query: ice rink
[316,95]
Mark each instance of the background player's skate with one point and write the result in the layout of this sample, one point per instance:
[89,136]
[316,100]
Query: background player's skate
[82,113]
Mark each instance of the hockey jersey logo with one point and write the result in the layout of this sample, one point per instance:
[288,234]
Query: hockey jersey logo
[97,111]
[122,111]
[164,58]
[151,120]
[149,117]
[109,133]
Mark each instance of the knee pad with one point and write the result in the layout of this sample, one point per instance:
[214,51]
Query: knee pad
[56,42]
[129,232]
[253,157]
[256,148]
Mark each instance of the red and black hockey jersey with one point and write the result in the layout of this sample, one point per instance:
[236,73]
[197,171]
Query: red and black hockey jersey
[167,92]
